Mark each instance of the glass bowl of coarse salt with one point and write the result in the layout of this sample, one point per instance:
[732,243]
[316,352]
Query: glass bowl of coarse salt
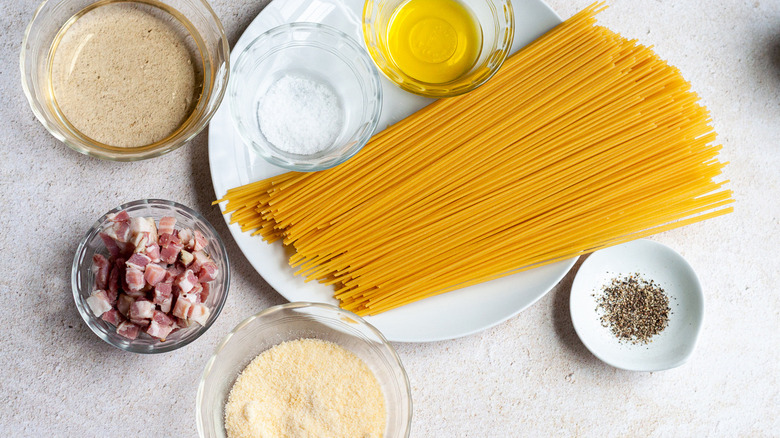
[124,80]
[305,96]
[304,367]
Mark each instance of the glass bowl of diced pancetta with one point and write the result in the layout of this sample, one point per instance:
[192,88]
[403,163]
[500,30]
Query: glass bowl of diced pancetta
[150,276]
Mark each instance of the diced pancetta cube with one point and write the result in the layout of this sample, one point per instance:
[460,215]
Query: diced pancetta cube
[120,231]
[170,252]
[112,317]
[182,308]
[110,243]
[208,272]
[154,274]
[128,330]
[199,242]
[153,251]
[98,302]
[138,261]
[200,258]
[141,309]
[186,281]
[168,238]
[167,225]
[123,304]
[204,294]
[186,257]
[162,291]
[141,241]
[166,304]
[100,267]
[134,278]
[199,313]
[186,237]
[140,225]
[192,298]
[122,216]
[195,292]
[161,325]
[141,323]
[113,281]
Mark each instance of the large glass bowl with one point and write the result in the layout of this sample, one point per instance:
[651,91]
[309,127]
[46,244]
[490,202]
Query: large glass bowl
[293,321]
[496,20]
[320,53]
[201,22]
[83,279]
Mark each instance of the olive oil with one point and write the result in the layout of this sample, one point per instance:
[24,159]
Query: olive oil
[434,41]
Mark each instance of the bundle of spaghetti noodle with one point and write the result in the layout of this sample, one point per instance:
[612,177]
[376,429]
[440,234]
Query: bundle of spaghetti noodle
[583,140]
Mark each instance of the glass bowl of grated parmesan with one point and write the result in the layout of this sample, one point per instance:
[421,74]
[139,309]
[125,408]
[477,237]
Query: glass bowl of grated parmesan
[304,369]
[304,96]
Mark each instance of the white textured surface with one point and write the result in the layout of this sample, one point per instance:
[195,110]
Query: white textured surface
[530,376]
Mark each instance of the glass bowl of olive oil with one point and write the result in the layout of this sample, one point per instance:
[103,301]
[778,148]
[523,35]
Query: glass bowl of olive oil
[438,48]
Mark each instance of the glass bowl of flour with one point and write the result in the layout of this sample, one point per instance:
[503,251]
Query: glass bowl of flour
[304,369]
[305,96]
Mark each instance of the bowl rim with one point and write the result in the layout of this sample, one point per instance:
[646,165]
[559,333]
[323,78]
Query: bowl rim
[302,305]
[138,153]
[373,85]
[81,302]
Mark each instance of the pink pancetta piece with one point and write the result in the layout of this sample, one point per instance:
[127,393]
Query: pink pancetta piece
[128,330]
[199,313]
[186,281]
[122,216]
[186,237]
[199,242]
[98,302]
[166,225]
[120,231]
[168,238]
[204,293]
[141,309]
[182,308]
[123,304]
[154,274]
[162,292]
[200,257]
[138,261]
[166,304]
[139,225]
[134,278]
[170,252]
[141,323]
[113,281]
[208,272]
[111,245]
[153,252]
[100,267]
[186,257]
[195,293]
[112,317]
[161,325]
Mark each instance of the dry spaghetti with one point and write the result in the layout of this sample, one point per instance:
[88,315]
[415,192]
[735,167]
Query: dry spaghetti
[583,140]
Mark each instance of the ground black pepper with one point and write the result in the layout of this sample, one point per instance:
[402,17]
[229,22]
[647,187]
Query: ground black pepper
[633,308]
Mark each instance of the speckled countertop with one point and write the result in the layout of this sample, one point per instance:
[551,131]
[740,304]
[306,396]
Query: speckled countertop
[530,376]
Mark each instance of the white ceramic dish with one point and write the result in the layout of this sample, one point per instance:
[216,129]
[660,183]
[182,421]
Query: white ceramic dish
[447,316]
[652,261]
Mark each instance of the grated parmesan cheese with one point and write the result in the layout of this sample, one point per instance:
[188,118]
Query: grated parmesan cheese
[306,388]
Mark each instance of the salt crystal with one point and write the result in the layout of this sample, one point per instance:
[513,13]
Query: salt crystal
[299,115]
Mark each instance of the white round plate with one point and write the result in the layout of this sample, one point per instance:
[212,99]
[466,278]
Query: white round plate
[447,316]
[652,261]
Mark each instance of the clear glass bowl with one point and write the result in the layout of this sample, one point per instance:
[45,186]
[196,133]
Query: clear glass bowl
[321,53]
[293,321]
[50,17]
[83,279]
[496,20]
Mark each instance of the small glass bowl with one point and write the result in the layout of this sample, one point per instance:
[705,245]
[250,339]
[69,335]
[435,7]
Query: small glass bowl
[83,279]
[293,321]
[201,22]
[497,22]
[321,53]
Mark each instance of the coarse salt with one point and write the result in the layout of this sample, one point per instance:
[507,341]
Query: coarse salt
[299,115]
